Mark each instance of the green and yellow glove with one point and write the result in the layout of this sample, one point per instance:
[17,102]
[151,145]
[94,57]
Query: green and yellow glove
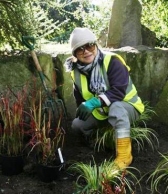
[86,108]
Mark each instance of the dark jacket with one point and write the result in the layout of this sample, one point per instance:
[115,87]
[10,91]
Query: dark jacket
[118,77]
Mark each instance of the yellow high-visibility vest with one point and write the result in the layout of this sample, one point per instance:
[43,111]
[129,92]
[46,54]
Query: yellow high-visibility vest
[131,92]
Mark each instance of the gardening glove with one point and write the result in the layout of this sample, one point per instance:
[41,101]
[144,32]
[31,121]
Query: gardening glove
[86,108]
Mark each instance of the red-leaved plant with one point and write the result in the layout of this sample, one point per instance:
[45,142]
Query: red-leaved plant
[46,139]
[119,189]
[12,113]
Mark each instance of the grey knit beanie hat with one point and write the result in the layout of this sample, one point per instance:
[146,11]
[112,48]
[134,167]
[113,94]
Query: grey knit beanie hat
[81,36]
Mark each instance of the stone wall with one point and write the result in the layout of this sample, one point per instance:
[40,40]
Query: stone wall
[17,70]
[148,71]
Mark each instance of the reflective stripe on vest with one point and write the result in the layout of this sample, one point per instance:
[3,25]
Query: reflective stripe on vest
[131,92]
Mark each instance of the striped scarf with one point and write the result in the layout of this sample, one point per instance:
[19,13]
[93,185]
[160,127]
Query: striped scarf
[97,82]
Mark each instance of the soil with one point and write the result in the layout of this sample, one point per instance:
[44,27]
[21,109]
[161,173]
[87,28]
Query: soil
[76,150]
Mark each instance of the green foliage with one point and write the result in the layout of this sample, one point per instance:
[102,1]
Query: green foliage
[159,177]
[105,138]
[155,17]
[21,18]
[141,136]
[65,14]
[79,13]
[55,19]
[97,17]
[140,133]
[103,178]
[52,20]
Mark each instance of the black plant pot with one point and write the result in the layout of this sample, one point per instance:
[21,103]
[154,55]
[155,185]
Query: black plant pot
[48,173]
[12,165]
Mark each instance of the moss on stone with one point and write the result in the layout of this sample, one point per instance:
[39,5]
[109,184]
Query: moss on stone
[161,107]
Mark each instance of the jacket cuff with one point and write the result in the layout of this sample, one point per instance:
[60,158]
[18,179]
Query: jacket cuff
[105,99]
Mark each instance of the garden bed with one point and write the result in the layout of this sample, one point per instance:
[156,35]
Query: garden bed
[76,150]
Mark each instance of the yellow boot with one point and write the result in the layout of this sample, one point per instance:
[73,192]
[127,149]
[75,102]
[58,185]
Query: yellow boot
[123,152]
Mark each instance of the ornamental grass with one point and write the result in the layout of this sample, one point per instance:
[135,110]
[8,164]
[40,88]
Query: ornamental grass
[102,179]
[46,139]
[159,176]
[12,113]
[140,133]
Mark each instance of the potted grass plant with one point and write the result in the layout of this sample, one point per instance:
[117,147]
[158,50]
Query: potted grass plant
[12,131]
[47,140]
[103,178]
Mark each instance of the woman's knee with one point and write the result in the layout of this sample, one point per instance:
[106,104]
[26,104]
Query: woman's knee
[117,110]
[84,126]
[123,111]
[75,124]
[118,116]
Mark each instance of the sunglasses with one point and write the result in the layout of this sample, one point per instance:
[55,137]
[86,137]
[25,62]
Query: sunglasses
[89,46]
